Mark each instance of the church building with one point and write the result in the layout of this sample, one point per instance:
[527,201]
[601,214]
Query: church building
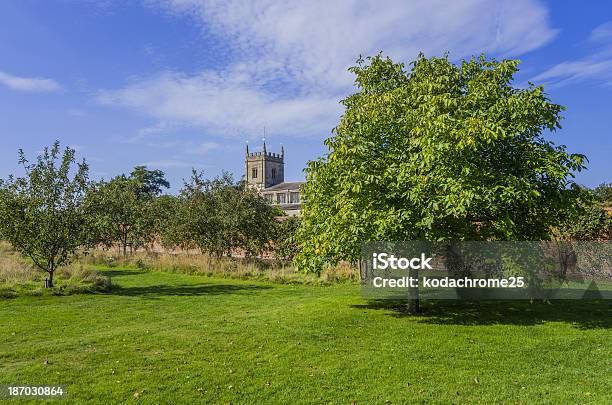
[265,172]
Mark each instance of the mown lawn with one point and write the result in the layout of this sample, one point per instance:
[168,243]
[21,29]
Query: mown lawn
[172,338]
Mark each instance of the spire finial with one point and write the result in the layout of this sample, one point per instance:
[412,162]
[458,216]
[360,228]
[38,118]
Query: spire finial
[247,147]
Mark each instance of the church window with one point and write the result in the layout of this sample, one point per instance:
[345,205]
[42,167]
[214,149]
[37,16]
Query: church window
[294,197]
[254,173]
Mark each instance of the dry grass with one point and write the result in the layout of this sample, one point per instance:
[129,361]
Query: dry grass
[238,268]
[19,277]
[13,269]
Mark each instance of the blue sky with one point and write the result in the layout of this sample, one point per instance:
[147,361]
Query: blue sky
[185,83]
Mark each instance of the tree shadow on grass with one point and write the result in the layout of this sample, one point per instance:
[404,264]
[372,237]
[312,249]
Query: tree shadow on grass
[190,290]
[584,314]
[115,273]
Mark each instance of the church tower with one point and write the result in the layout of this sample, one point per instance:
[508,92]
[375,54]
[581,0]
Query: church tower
[264,169]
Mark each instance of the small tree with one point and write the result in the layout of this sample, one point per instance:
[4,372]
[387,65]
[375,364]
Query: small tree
[120,213]
[41,214]
[124,210]
[169,222]
[220,216]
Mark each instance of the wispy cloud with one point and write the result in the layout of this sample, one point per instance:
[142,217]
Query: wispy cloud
[156,130]
[576,71]
[165,144]
[205,148]
[159,127]
[602,33]
[289,59]
[32,84]
[224,103]
[172,163]
[595,67]
[188,147]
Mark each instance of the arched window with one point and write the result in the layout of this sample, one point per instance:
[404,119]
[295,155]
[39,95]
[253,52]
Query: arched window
[254,173]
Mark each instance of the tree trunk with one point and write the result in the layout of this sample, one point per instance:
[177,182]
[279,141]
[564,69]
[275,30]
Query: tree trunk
[50,281]
[413,304]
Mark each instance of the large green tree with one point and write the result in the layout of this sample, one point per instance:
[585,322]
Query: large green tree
[437,151]
[41,214]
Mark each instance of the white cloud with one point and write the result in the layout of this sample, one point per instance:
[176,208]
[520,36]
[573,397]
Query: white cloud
[171,163]
[159,127]
[602,32]
[32,84]
[289,59]
[576,71]
[595,67]
[164,145]
[225,103]
[204,148]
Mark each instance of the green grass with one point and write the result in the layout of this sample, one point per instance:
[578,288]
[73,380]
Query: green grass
[174,338]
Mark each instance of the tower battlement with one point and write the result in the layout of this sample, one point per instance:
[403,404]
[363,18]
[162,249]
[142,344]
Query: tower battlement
[261,154]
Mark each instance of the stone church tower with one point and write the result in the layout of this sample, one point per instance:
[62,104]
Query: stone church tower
[264,169]
[265,172]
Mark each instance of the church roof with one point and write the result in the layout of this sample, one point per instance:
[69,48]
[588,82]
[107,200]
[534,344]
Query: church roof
[291,185]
